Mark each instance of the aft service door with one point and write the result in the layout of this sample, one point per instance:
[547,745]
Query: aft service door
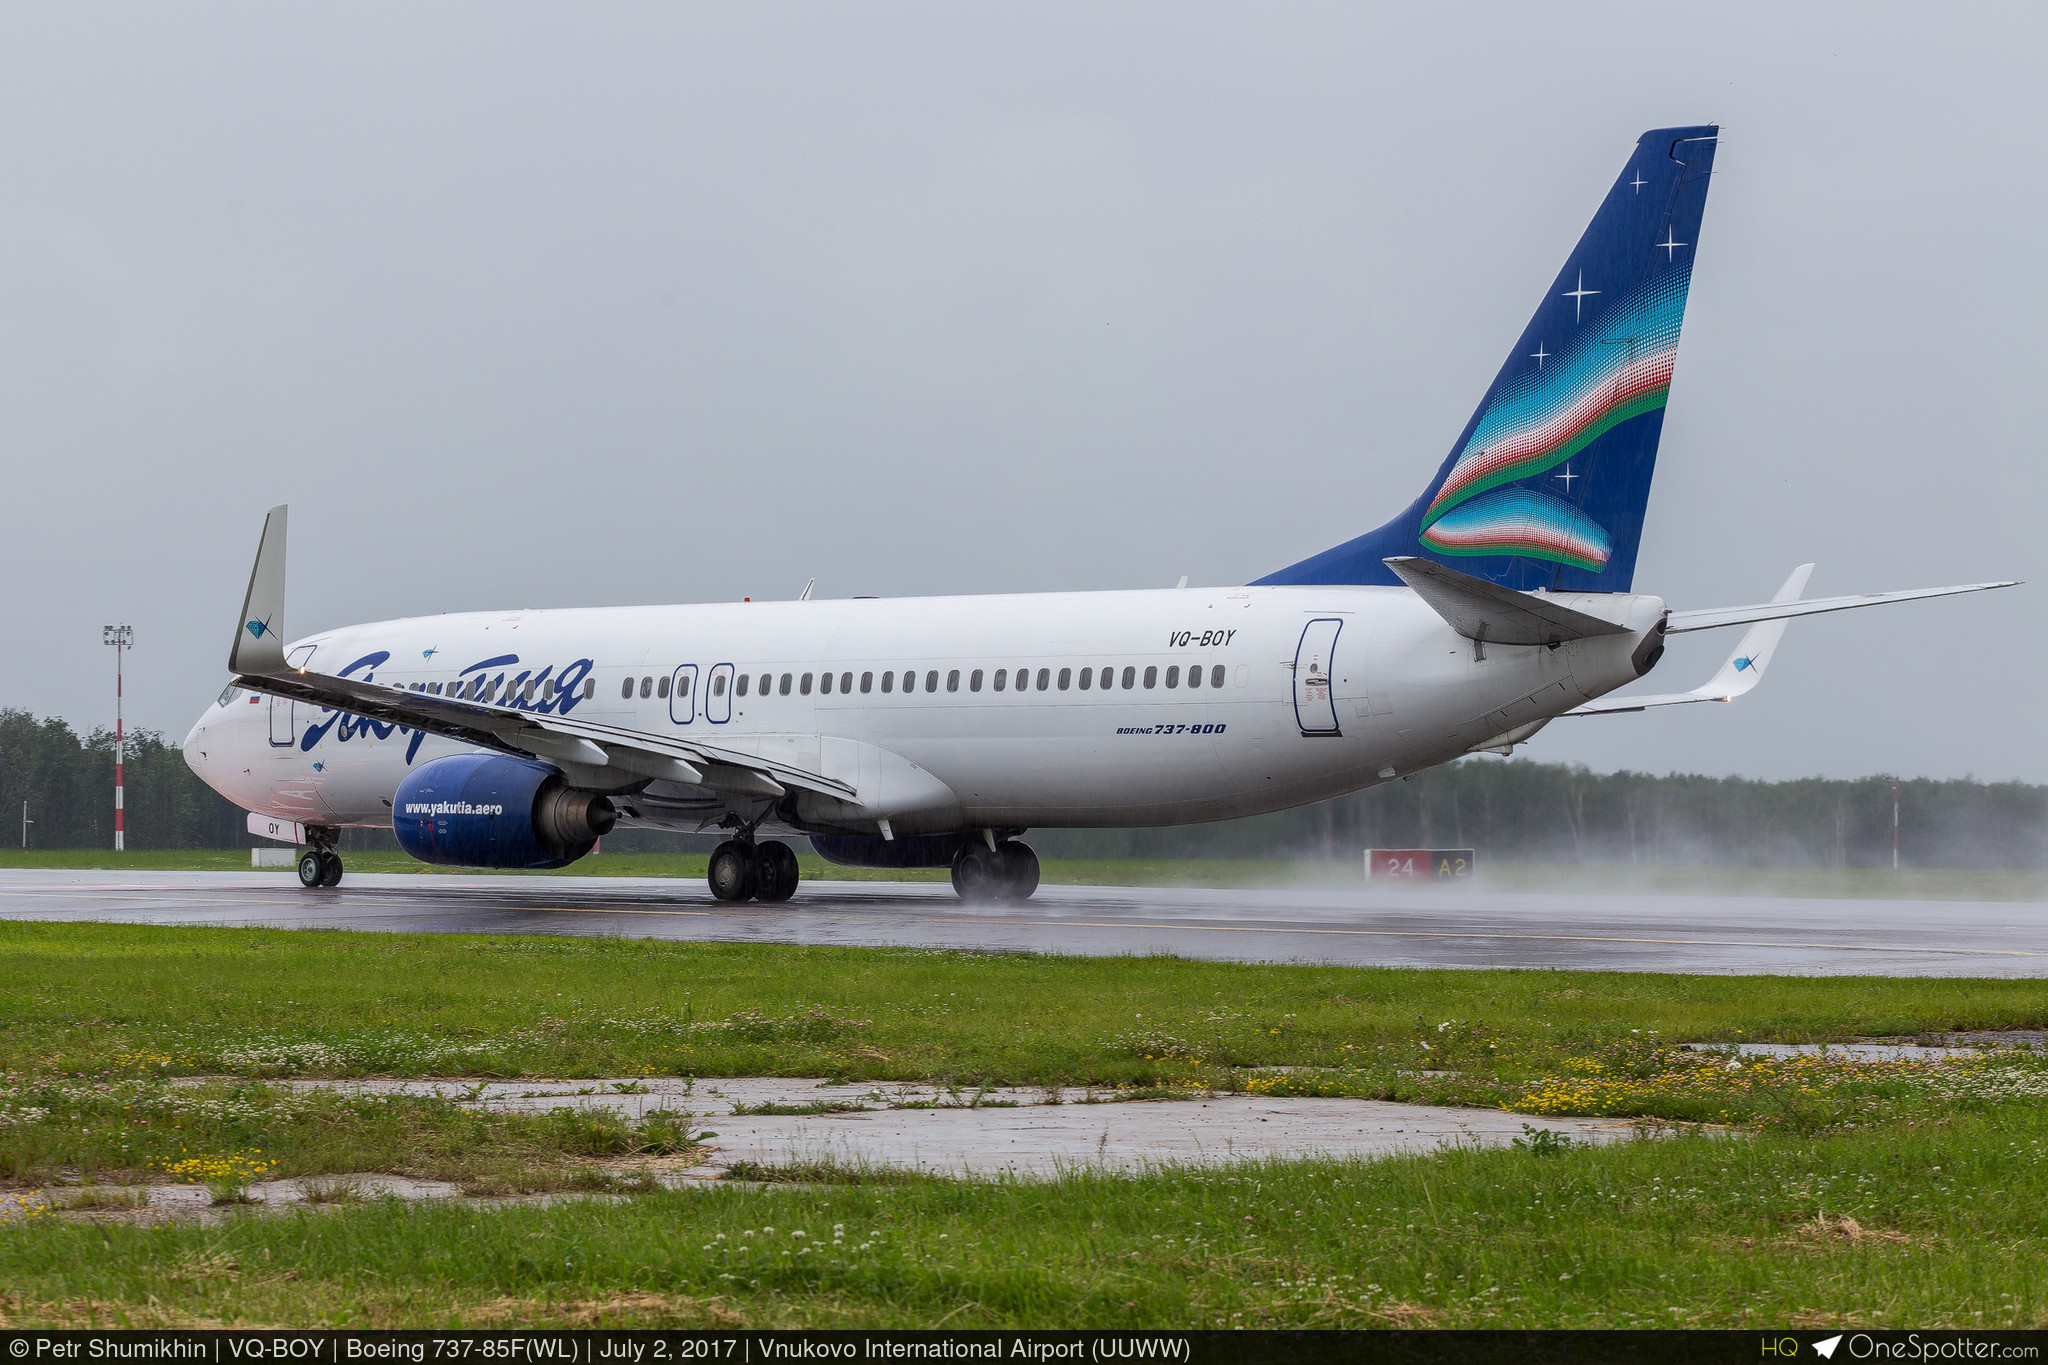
[718,699]
[1314,707]
[682,696]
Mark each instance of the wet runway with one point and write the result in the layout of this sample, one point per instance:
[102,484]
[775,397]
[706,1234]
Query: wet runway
[1423,927]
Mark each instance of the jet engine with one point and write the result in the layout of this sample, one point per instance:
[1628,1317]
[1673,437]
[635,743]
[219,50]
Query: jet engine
[491,810]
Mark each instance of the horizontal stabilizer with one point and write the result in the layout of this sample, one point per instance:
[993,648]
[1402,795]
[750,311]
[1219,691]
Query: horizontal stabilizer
[1487,612]
[1682,621]
[1743,670]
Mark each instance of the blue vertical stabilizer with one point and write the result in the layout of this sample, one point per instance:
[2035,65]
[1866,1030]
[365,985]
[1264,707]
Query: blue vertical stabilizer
[1547,485]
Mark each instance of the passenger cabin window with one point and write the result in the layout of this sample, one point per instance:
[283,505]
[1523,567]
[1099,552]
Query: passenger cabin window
[953,681]
[889,681]
[741,687]
[867,682]
[974,681]
[1216,676]
[1086,674]
[1173,676]
[782,688]
[1066,678]
[1195,676]
[1001,675]
[526,694]
[805,689]
[931,681]
[661,689]
[767,681]
[589,688]
[626,689]
[1151,677]
[646,688]
[825,684]
[718,685]
[683,685]
[1044,678]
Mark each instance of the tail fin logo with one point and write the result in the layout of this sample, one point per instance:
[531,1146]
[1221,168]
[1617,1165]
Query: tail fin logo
[1620,369]
[1548,483]
[257,628]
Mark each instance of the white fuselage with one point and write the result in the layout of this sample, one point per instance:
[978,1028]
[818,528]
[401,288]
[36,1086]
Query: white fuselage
[1306,693]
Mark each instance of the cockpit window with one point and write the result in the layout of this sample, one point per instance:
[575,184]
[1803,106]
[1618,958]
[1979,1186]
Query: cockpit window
[227,695]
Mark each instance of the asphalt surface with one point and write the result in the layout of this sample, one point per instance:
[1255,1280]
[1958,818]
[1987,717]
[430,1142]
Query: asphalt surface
[1423,927]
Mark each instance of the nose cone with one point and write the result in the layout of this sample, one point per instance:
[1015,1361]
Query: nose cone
[195,744]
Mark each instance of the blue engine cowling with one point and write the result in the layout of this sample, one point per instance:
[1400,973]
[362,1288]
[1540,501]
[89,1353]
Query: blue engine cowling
[489,810]
[869,850]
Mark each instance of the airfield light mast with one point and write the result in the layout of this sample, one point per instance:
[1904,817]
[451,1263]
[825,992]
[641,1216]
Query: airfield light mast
[122,638]
[1895,824]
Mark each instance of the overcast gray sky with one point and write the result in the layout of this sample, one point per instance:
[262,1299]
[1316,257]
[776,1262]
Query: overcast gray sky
[571,305]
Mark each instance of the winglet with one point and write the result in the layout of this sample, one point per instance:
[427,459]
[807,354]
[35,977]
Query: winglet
[1743,670]
[1745,667]
[259,631]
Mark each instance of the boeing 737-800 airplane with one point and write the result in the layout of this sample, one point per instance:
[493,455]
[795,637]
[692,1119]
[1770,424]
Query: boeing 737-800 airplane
[932,732]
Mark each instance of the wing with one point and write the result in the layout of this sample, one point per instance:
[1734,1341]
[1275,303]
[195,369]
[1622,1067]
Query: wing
[259,665]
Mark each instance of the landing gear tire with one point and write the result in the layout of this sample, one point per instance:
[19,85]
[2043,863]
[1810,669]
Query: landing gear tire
[776,873]
[331,868]
[732,872]
[1007,872]
[312,869]
[1020,870]
[978,875]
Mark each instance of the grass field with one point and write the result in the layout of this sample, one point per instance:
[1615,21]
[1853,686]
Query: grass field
[1816,1190]
[1939,1226]
[1576,878]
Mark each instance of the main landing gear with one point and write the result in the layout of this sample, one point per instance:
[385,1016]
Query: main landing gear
[744,870]
[1007,872]
[319,865]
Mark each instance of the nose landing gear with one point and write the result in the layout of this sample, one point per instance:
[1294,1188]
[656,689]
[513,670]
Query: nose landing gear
[744,870]
[1007,872]
[320,865]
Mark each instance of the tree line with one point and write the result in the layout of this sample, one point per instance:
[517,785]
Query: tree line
[67,782]
[1509,810]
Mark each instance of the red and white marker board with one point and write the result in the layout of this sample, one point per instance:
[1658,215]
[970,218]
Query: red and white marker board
[1419,864]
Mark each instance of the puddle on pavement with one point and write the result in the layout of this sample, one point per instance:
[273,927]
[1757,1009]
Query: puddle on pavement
[1028,1132]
